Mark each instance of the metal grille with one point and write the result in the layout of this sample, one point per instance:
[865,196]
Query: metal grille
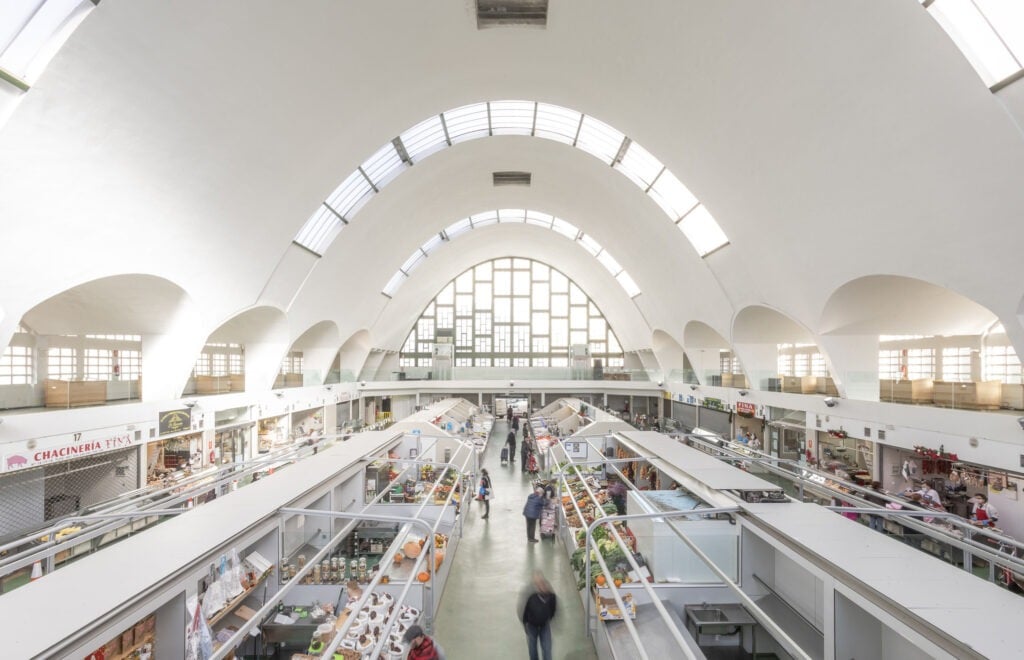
[31,498]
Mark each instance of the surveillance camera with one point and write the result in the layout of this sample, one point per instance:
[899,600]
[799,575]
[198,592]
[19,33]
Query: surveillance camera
[744,392]
[660,383]
[693,387]
[831,402]
[511,383]
[362,383]
[190,404]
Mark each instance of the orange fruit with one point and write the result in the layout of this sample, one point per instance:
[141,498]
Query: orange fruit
[601,580]
[618,582]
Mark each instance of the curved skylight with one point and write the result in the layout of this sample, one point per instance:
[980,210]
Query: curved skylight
[989,32]
[529,118]
[31,33]
[506,216]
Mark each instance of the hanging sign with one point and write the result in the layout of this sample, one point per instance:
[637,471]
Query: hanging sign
[745,408]
[175,421]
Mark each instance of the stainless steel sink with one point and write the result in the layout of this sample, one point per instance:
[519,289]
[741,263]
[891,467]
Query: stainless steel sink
[709,615]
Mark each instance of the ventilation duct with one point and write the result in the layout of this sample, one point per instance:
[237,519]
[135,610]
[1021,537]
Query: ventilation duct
[512,178]
[511,13]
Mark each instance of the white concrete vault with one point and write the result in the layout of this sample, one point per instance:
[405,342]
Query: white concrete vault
[319,345]
[703,346]
[263,333]
[154,143]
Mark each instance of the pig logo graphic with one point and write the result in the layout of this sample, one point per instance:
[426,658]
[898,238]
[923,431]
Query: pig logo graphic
[16,461]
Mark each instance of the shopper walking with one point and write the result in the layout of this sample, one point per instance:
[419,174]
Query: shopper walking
[524,453]
[508,414]
[485,492]
[534,507]
[511,442]
[422,647]
[515,423]
[537,606]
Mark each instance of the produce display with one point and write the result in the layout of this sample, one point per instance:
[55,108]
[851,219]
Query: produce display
[413,547]
[576,502]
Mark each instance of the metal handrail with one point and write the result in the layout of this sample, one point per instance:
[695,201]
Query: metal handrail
[957,521]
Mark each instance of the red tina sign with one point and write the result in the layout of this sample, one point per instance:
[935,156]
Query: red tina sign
[67,452]
[745,409]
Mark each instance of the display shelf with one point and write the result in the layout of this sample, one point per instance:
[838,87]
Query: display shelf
[150,638]
[237,600]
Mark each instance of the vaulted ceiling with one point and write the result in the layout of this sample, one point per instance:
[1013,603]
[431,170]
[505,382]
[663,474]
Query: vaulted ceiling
[831,141]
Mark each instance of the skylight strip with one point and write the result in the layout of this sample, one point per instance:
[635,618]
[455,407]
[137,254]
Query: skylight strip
[702,231]
[556,123]
[484,219]
[318,231]
[512,117]
[349,194]
[640,166]
[40,29]
[988,34]
[566,229]
[392,286]
[512,215]
[539,219]
[414,259]
[627,283]
[467,122]
[608,261]
[536,218]
[672,196]
[459,227]
[519,117]
[382,166]
[589,244]
[424,138]
[432,244]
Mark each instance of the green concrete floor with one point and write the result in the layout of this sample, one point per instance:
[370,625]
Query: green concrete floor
[494,562]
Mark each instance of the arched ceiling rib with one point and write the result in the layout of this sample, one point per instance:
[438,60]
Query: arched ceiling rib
[514,216]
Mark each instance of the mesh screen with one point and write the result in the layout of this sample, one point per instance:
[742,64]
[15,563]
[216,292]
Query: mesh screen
[30,498]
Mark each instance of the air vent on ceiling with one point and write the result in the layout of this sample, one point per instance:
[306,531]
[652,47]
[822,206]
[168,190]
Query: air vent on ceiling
[881,434]
[867,432]
[511,13]
[512,178]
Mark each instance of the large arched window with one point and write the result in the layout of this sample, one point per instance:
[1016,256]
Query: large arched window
[511,312]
